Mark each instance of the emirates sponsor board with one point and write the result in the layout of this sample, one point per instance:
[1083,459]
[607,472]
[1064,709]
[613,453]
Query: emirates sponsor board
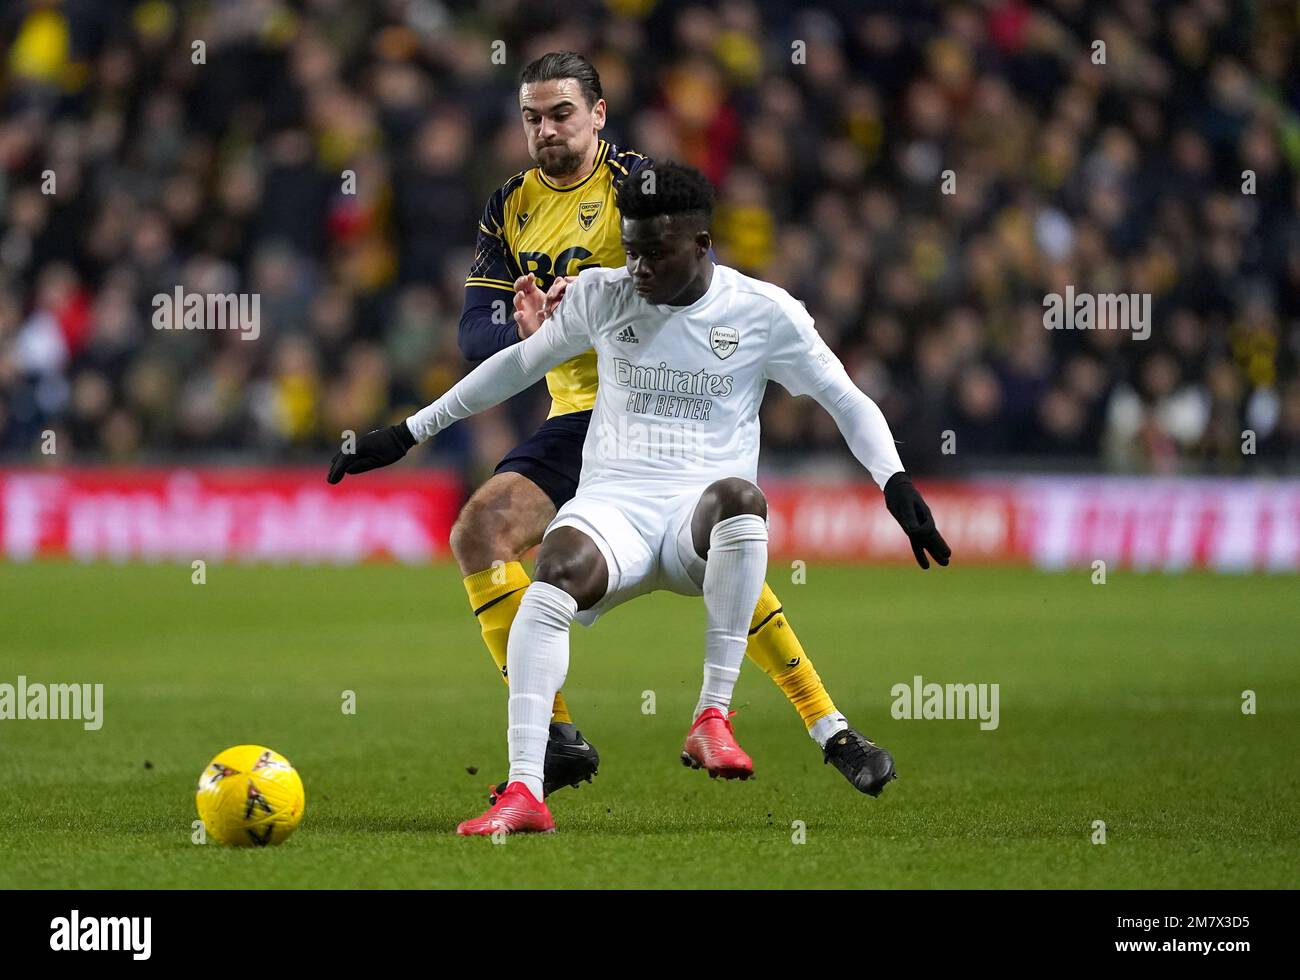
[281,514]
[225,514]
[1166,524]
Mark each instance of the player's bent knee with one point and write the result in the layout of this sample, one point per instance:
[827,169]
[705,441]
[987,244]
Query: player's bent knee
[570,561]
[502,520]
[724,499]
[734,496]
[481,535]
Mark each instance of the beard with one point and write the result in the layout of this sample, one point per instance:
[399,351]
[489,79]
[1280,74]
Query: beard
[558,161]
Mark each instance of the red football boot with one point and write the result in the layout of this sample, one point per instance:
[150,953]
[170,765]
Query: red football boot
[711,745]
[515,812]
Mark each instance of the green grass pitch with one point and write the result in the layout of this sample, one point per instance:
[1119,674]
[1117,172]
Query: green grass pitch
[1119,703]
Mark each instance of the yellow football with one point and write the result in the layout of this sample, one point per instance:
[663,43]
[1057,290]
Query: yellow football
[250,796]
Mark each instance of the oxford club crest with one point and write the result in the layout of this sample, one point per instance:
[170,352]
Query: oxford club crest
[724,341]
[588,212]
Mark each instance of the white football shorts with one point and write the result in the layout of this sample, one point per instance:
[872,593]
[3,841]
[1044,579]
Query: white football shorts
[646,541]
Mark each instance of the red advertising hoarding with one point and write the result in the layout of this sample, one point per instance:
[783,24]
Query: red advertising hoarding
[231,514]
[282,514]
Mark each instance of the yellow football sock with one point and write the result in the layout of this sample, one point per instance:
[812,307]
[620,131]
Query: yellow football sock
[775,648]
[494,595]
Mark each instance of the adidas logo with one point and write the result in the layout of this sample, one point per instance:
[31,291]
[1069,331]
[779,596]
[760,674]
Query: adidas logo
[626,336]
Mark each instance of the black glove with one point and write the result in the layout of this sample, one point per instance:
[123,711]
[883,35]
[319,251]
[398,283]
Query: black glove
[374,449]
[909,509]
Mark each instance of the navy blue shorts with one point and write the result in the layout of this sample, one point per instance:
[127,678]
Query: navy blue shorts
[552,456]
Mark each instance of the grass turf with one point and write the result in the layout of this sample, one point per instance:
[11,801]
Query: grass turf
[1119,703]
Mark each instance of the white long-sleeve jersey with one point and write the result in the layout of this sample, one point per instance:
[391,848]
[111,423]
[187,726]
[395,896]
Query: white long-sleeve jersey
[680,386]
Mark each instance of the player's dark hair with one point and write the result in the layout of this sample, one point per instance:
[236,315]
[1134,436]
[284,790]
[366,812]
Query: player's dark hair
[565,64]
[666,188]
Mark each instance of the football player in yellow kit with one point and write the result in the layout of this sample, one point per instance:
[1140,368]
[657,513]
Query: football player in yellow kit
[550,222]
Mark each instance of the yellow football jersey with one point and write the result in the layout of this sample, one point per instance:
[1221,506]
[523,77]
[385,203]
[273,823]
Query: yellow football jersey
[533,225]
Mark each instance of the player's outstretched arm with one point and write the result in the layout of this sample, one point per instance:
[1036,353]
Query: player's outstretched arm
[800,360]
[504,374]
[864,428]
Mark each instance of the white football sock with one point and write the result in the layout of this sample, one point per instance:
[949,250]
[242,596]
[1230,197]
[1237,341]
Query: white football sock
[733,581]
[826,726]
[537,660]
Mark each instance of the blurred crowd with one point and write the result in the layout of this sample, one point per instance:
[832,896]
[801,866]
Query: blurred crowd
[922,175]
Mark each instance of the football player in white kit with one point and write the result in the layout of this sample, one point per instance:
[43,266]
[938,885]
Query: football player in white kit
[667,497]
